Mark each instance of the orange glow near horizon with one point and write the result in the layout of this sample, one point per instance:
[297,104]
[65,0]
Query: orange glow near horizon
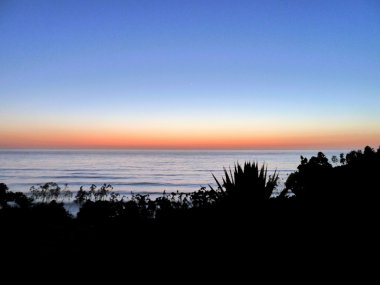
[214,76]
[162,139]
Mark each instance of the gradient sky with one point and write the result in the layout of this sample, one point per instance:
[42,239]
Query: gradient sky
[190,74]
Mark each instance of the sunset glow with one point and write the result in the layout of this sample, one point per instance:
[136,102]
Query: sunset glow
[253,74]
[170,139]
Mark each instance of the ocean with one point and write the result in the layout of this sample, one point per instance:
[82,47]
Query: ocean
[137,171]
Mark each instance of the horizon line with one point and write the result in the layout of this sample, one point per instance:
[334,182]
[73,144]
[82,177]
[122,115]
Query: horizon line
[189,148]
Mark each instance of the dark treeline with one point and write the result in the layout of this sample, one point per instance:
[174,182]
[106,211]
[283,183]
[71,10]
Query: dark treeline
[324,205]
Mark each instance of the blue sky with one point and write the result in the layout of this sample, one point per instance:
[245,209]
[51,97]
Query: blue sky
[242,67]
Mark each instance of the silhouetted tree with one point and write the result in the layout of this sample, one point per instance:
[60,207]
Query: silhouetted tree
[312,178]
[317,181]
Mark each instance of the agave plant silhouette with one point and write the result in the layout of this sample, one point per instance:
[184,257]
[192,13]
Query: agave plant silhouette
[248,182]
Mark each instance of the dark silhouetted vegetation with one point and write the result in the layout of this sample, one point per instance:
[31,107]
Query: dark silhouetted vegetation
[323,202]
[50,191]
[247,183]
[351,181]
[15,199]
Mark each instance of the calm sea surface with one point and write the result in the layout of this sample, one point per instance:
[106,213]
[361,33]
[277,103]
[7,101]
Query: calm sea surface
[136,170]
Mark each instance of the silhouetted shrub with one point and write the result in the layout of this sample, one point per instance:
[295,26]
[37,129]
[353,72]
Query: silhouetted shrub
[104,193]
[50,191]
[312,180]
[52,212]
[7,197]
[247,184]
[354,180]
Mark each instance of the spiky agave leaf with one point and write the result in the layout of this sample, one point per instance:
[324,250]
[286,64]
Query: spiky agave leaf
[228,181]
[248,181]
[217,182]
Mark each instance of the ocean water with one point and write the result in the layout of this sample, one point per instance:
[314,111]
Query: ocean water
[137,171]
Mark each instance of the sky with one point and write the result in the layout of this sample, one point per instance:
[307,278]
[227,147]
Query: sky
[189,74]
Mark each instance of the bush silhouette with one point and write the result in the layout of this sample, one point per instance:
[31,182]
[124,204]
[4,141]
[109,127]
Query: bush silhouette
[354,180]
[313,178]
[7,197]
[49,191]
[247,184]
